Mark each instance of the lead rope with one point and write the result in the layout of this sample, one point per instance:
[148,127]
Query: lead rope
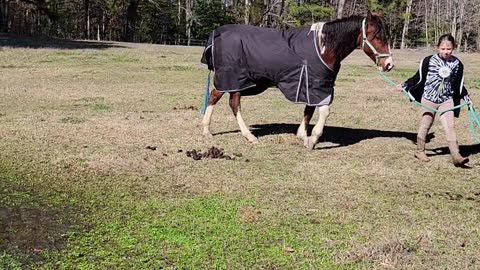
[473,118]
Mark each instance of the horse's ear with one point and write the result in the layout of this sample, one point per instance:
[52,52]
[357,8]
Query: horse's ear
[369,15]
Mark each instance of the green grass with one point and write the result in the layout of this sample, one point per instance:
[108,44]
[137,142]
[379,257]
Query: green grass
[206,232]
[475,84]
[217,231]
[8,261]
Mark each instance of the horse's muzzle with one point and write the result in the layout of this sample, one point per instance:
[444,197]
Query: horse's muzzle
[386,65]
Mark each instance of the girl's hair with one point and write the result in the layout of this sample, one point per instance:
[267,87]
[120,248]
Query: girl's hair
[447,37]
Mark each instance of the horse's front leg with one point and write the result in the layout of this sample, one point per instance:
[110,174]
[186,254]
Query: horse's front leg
[317,131]
[235,105]
[302,129]
[215,96]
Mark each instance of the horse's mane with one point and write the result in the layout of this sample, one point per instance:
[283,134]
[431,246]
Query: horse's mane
[340,35]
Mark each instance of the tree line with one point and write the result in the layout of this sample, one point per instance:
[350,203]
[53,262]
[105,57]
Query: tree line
[412,23]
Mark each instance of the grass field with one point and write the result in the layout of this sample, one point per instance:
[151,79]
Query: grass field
[94,171]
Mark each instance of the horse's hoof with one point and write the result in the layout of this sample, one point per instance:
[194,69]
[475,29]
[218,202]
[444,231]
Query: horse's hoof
[305,141]
[310,144]
[207,135]
[253,140]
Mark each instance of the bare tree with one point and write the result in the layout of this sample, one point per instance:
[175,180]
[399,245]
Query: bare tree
[188,19]
[86,6]
[340,5]
[460,22]
[247,12]
[406,22]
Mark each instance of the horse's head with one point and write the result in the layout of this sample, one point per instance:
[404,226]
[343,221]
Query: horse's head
[375,41]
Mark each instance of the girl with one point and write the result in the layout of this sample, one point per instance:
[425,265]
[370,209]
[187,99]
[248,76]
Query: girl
[438,84]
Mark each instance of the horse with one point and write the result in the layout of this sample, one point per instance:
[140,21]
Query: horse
[302,62]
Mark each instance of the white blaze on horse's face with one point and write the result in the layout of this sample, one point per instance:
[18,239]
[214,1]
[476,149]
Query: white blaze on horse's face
[387,64]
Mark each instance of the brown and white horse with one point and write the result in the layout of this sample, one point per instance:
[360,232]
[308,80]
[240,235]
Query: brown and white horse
[333,42]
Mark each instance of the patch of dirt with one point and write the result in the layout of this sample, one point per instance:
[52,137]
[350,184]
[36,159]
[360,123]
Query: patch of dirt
[32,230]
[389,254]
[249,214]
[211,153]
[29,228]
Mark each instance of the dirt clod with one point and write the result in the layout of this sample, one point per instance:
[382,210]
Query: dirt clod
[153,148]
[193,108]
[212,153]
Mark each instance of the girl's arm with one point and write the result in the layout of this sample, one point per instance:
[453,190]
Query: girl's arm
[415,79]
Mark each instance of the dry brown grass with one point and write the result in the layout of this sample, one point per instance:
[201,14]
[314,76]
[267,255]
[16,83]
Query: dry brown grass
[102,112]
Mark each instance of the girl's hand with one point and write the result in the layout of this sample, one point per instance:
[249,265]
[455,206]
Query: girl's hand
[398,88]
[467,99]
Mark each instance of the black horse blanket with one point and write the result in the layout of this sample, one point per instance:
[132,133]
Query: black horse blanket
[251,59]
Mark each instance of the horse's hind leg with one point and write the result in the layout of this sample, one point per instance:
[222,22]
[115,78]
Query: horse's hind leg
[302,129]
[317,131]
[215,96]
[235,105]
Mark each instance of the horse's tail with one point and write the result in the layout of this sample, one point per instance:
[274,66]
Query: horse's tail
[207,56]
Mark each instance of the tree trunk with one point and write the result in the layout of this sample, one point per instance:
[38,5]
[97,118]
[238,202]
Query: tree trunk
[427,43]
[131,18]
[353,8]
[103,24]
[453,26]
[437,19]
[2,2]
[405,23]
[188,19]
[478,37]
[461,15]
[247,12]
[341,4]
[179,18]
[4,15]
[86,4]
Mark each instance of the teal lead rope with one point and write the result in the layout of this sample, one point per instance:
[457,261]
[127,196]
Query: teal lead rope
[207,94]
[473,118]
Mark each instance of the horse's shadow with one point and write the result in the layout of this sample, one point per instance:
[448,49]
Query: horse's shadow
[339,136]
[343,136]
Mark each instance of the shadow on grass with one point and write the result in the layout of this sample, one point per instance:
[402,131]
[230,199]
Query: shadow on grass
[348,136]
[342,136]
[14,41]
[465,150]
